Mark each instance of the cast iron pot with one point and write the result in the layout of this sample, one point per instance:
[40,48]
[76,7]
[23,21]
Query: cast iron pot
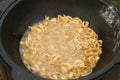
[17,15]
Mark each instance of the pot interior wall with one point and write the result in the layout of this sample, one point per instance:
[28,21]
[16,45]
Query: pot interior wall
[29,12]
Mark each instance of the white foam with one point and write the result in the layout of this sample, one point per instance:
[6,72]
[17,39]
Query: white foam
[113,19]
